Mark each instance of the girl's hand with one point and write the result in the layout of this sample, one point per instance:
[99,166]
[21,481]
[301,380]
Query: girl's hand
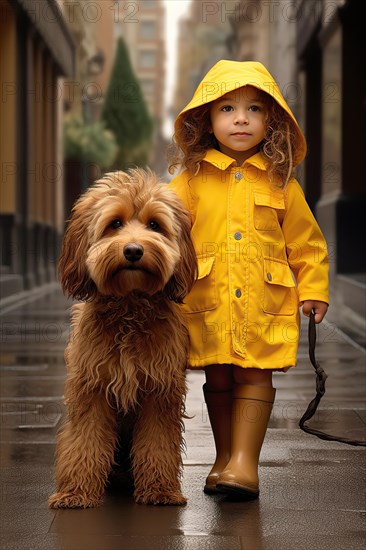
[320,309]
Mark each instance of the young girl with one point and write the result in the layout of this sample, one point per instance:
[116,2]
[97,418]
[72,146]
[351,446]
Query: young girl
[260,252]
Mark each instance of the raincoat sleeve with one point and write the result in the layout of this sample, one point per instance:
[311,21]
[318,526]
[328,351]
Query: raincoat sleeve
[180,186]
[306,247]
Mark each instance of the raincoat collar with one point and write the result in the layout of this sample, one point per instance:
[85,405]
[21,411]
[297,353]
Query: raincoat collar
[218,159]
[222,161]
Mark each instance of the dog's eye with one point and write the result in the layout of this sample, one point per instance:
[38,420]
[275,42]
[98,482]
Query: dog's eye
[154,225]
[116,224]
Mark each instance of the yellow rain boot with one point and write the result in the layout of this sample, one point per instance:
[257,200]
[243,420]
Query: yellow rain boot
[219,406]
[252,406]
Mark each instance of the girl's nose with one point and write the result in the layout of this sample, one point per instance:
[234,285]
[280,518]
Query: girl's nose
[241,117]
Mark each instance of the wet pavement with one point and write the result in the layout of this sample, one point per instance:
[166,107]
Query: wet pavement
[312,491]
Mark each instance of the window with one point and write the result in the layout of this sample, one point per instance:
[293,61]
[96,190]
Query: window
[148,29]
[149,4]
[332,114]
[147,59]
[148,86]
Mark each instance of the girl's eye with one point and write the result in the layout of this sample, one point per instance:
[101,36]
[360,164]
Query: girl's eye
[154,225]
[227,108]
[254,108]
[116,224]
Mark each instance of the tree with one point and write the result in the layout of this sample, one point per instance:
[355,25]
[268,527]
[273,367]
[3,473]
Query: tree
[125,112]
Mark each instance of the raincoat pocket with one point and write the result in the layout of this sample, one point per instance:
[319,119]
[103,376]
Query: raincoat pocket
[279,296]
[265,211]
[203,295]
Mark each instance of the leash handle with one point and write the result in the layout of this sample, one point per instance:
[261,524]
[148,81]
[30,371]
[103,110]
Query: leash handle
[321,377]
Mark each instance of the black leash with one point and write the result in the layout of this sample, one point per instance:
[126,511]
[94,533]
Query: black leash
[321,377]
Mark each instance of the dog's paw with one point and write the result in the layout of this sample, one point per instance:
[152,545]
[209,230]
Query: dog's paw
[162,498]
[72,500]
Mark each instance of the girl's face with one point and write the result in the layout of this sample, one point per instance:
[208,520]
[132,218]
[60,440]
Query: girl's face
[238,122]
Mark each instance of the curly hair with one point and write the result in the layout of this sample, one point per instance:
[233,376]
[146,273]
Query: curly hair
[278,146]
[193,137]
[191,140]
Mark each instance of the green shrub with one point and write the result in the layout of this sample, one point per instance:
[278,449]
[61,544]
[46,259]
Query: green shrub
[92,143]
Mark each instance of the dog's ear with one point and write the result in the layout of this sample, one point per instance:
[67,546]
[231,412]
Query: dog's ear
[186,270]
[73,273]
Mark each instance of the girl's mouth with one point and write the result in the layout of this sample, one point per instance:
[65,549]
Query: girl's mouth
[241,134]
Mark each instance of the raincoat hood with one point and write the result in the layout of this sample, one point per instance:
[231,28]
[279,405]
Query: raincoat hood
[226,76]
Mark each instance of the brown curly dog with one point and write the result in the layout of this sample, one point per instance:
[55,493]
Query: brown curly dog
[127,254]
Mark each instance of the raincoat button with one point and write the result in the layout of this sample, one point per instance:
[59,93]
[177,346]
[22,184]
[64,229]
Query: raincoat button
[238,176]
[269,276]
[237,236]
[238,292]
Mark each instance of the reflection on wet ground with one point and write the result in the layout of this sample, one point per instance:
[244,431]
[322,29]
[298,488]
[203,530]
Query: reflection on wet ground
[311,490]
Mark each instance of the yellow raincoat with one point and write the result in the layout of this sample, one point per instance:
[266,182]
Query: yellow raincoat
[260,251]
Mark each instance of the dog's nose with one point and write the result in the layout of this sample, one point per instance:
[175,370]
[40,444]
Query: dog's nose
[133,252]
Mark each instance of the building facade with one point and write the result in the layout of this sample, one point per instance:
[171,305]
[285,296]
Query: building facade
[142,26]
[56,58]
[330,47]
[91,25]
[36,48]
[202,41]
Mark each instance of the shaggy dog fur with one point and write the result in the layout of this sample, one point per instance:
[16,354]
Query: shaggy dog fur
[127,254]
